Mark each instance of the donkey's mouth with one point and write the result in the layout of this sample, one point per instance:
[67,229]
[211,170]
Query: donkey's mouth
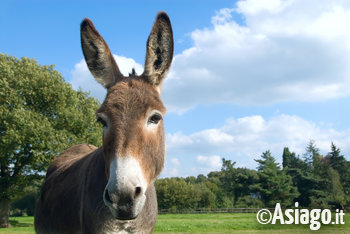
[122,214]
[123,210]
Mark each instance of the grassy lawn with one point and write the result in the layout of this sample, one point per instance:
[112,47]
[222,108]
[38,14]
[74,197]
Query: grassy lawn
[20,225]
[234,223]
[204,223]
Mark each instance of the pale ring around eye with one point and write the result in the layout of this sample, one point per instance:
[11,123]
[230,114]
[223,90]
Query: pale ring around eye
[102,118]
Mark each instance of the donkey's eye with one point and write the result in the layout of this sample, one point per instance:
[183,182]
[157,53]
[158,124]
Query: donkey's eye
[102,121]
[155,118]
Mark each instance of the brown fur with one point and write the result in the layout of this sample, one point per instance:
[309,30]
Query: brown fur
[126,105]
[71,199]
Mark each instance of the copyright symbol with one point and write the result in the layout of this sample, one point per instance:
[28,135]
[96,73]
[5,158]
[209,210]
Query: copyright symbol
[264,216]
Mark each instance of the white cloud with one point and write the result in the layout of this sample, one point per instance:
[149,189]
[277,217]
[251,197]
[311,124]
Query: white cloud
[203,142]
[210,163]
[175,161]
[171,168]
[244,139]
[289,50]
[254,7]
[81,76]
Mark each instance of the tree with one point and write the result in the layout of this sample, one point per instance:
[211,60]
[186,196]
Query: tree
[207,197]
[342,166]
[40,116]
[217,183]
[312,156]
[331,185]
[176,194]
[300,171]
[335,189]
[228,177]
[274,184]
[235,185]
[245,179]
[317,177]
[287,157]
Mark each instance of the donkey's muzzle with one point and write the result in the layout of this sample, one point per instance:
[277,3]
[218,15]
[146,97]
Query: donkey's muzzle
[125,205]
[124,193]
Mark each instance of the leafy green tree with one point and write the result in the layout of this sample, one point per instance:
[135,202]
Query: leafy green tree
[176,194]
[323,179]
[330,184]
[190,179]
[216,185]
[302,177]
[227,178]
[274,184]
[206,196]
[318,183]
[245,179]
[312,156]
[234,184]
[335,189]
[201,178]
[305,174]
[40,116]
[287,157]
[213,187]
[342,166]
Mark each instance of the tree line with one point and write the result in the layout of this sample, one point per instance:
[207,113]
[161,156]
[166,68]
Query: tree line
[313,180]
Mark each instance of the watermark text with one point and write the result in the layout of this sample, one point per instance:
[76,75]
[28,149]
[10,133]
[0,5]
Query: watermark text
[315,217]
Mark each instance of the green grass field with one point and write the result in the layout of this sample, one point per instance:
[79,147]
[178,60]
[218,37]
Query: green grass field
[205,223]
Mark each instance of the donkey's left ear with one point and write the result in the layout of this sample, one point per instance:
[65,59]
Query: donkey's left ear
[160,50]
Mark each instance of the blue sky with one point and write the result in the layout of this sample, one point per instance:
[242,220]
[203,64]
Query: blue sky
[247,76]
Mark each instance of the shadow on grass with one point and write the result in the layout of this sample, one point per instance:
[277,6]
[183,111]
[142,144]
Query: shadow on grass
[16,223]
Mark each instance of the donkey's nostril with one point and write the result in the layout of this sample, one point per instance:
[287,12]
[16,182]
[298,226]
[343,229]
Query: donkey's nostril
[138,191]
[107,197]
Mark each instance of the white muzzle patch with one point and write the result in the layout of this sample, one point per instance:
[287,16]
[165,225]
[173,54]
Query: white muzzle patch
[126,187]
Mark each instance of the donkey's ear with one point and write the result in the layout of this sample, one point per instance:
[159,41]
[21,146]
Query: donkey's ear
[98,56]
[160,50]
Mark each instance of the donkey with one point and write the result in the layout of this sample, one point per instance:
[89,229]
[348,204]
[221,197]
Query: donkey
[111,189]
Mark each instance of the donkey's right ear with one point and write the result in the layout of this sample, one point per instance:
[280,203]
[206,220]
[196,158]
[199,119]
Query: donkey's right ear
[98,56]
[160,50]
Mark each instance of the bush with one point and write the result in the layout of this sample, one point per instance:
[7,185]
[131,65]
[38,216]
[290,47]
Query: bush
[25,205]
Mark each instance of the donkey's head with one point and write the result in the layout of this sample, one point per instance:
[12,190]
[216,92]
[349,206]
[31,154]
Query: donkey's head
[131,115]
